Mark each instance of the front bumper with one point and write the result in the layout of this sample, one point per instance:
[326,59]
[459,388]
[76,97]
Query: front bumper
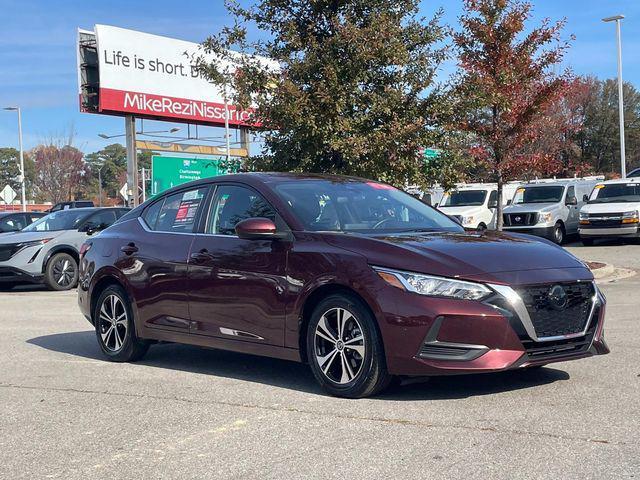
[15,275]
[611,232]
[433,336]
[543,231]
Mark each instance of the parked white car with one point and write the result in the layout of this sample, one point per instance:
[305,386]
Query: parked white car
[474,205]
[612,211]
[549,208]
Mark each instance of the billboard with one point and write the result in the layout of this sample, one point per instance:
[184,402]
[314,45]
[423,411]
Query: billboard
[167,172]
[154,76]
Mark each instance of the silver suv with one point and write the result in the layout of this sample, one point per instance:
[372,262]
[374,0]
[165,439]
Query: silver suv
[48,250]
[549,208]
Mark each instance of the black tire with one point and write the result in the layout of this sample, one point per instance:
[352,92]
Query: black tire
[587,242]
[559,234]
[61,272]
[481,228]
[361,375]
[118,340]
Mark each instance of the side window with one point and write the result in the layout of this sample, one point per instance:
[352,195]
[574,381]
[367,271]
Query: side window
[150,214]
[11,223]
[102,219]
[233,204]
[178,212]
[571,192]
[493,198]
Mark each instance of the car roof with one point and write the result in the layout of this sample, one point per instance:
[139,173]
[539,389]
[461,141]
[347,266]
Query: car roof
[621,180]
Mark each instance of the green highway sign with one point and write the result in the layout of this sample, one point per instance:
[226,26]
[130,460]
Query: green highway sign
[167,172]
[430,153]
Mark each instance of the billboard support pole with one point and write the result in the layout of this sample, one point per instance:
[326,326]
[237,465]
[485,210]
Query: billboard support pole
[132,161]
[226,127]
[244,140]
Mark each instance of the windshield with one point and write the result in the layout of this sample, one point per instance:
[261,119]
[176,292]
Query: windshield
[615,192]
[353,206]
[464,198]
[60,220]
[546,194]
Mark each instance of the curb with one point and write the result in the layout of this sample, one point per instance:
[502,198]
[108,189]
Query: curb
[606,270]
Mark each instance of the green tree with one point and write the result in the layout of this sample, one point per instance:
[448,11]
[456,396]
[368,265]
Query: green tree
[353,91]
[113,160]
[599,140]
[9,168]
[507,83]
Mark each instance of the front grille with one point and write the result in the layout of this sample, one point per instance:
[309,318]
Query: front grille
[550,318]
[571,346]
[520,219]
[605,220]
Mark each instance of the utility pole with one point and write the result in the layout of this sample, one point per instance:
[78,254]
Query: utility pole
[132,161]
[623,160]
[23,198]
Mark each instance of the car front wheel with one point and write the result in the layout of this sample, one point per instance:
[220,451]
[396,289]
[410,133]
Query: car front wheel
[345,350]
[115,328]
[558,233]
[61,272]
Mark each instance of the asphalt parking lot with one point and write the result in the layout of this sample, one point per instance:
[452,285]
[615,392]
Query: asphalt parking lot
[186,412]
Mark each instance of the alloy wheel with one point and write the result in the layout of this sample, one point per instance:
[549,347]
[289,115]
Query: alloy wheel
[339,345]
[113,323]
[64,272]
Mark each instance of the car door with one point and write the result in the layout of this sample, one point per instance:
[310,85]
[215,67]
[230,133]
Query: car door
[154,254]
[573,215]
[237,287]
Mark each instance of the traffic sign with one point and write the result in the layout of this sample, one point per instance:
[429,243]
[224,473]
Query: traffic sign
[123,192]
[167,172]
[8,194]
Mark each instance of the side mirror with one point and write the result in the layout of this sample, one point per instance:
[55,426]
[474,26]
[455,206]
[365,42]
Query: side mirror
[435,205]
[509,202]
[571,201]
[493,204]
[258,228]
[585,198]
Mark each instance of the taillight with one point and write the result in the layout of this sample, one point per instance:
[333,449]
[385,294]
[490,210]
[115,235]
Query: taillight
[84,248]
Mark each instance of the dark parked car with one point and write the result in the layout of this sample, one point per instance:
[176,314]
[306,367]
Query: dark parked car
[358,279]
[73,204]
[16,221]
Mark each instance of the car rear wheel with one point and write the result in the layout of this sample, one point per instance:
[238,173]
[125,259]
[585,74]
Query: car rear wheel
[345,350]
[115,328]
[61,272]
[558,233]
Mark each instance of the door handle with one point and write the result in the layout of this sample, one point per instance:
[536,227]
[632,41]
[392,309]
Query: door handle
[129,248]
[201,256]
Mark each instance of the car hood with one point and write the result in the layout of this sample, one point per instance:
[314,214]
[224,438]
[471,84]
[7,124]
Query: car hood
[613,207]
[19,237]
[530,207]
[480,256]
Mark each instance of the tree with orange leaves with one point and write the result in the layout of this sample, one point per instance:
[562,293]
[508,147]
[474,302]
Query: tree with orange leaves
[507,84]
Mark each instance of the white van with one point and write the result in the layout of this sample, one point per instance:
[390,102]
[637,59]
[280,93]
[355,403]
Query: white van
[612,211]
[549,208]
[474,205]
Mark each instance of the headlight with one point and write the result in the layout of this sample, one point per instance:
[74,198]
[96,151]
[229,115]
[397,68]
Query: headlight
[434,286]
[545,217]
[630,217]
[584,216]
[34,243]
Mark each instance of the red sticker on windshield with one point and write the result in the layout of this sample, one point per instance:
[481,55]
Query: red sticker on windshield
[380,186]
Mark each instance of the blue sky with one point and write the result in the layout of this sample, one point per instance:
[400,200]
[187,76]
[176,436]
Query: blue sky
[38,57]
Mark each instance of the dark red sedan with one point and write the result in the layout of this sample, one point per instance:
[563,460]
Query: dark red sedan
[354,277]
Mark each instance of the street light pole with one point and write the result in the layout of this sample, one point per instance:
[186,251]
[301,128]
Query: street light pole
[623,161]
[23,198]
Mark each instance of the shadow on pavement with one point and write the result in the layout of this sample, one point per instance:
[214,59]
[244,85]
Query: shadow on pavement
[296,376]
